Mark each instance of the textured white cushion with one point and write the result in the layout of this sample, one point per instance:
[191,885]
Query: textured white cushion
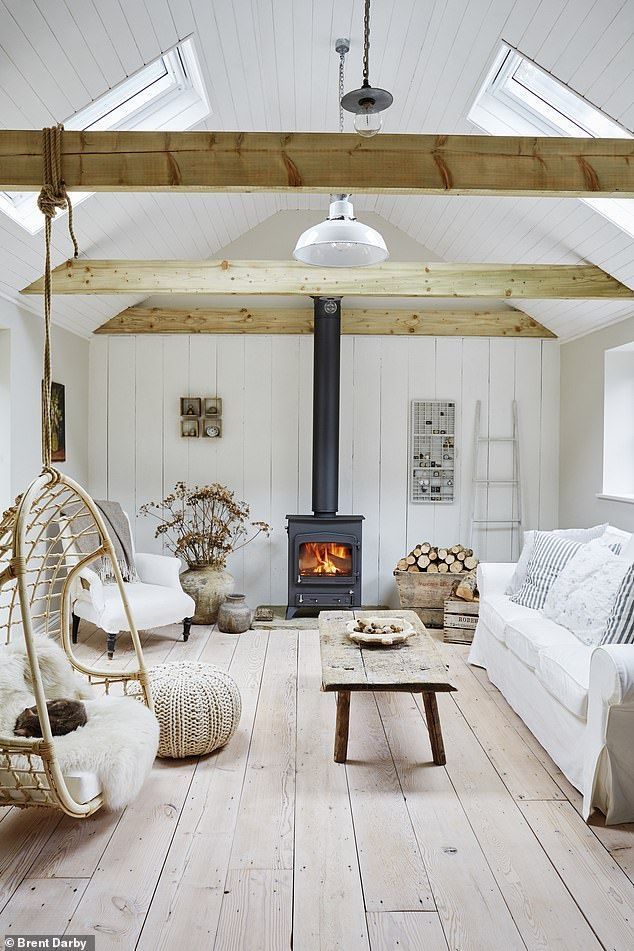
[527,636]
[628,550]
[582,535]
[617,535]
[551,553]
[498,611]
[584,593]
[620,624]
[151,605]
[565,673]
[83,786]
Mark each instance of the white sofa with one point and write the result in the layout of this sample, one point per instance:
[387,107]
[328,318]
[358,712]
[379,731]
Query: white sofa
[578,701]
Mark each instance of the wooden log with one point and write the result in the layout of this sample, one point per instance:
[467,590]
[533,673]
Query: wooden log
[443,567]
[450,558]
[433,554]
[425,548]
[410,559]
[402,564]
[456,567]
[433,567]
[470,562]
[455,549]
[467,588]
[461,556]
[442,553]
[423,561]
[417,551]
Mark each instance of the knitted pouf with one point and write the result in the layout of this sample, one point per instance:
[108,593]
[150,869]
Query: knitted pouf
[197,705]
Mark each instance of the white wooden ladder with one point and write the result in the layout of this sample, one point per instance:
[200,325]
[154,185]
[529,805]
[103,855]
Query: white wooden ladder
[514,520]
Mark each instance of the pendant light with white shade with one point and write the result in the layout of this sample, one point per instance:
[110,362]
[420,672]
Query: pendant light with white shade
[341,240]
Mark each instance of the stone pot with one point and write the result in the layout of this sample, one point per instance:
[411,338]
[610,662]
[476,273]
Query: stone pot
[208,587]
[234,616]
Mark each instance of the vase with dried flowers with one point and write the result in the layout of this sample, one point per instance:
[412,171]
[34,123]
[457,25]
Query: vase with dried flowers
[203,525]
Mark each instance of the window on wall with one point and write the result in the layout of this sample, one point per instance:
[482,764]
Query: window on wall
[167,94]
[520,98]
[618,426]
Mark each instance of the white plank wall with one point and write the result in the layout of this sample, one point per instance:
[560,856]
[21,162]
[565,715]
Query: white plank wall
[264,455]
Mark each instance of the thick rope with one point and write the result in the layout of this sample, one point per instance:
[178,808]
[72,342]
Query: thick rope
[52,197]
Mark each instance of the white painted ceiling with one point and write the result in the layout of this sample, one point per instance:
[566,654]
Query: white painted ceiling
[270,64]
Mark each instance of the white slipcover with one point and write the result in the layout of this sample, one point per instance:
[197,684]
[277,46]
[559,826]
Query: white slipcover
[577,700]
[158,599]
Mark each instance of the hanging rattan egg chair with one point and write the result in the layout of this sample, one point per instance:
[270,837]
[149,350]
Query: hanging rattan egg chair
[40,571]
[41,568]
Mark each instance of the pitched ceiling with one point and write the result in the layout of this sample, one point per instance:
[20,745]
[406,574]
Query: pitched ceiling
[270,64]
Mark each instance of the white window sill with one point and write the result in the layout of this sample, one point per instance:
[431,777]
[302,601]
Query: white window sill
[616,498]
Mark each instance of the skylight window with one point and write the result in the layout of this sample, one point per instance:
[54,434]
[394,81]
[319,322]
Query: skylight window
[520,98]
[167,94]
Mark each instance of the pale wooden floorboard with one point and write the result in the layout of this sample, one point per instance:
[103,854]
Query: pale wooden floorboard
[257,910]
[189,895]
[407,930]
[42,906]
[269,841]
[328,911]
[542,908]
[392,870]
[520,770]
[23,834]
[618,840]
[595,881]
[469,901]
[269,783]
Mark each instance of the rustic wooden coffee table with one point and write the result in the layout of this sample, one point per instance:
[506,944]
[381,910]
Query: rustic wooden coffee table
[415,667]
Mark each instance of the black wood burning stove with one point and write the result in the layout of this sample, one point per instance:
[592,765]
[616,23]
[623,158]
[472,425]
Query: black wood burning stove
[324,549]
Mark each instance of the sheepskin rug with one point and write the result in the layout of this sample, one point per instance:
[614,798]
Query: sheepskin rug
[120,739]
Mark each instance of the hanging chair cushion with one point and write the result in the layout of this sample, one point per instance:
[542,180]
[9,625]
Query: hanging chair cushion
[112,754]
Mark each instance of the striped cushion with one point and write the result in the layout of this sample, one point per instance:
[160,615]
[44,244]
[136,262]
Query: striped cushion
[620,626]
[551,553]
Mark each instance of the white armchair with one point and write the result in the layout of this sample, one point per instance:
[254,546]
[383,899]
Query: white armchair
[155,600]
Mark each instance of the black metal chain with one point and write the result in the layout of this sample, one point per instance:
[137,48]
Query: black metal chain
[366,44]
[342,61]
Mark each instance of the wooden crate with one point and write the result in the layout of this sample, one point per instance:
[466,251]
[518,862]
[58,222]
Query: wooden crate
[426,593]
[460,619]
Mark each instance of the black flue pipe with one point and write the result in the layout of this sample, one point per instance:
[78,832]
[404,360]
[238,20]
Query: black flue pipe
[326,389]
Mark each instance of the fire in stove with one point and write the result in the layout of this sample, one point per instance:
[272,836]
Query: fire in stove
[329,558]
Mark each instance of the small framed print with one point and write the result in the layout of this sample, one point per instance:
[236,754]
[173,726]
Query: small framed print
[213,406]
[212,428]
[190,427]
[58,422]
[190,405]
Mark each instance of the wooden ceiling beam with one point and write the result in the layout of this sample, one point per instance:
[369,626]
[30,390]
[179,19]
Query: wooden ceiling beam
[394,279]
[324,162]
[204,320]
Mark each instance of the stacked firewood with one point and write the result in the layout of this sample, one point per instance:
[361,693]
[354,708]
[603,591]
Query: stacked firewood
[430,558]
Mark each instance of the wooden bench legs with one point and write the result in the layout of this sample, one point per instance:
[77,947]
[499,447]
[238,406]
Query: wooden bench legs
[431,716]
[341,728]
[433,728]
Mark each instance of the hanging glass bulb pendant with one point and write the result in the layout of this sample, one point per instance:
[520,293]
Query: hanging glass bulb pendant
[367,103]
